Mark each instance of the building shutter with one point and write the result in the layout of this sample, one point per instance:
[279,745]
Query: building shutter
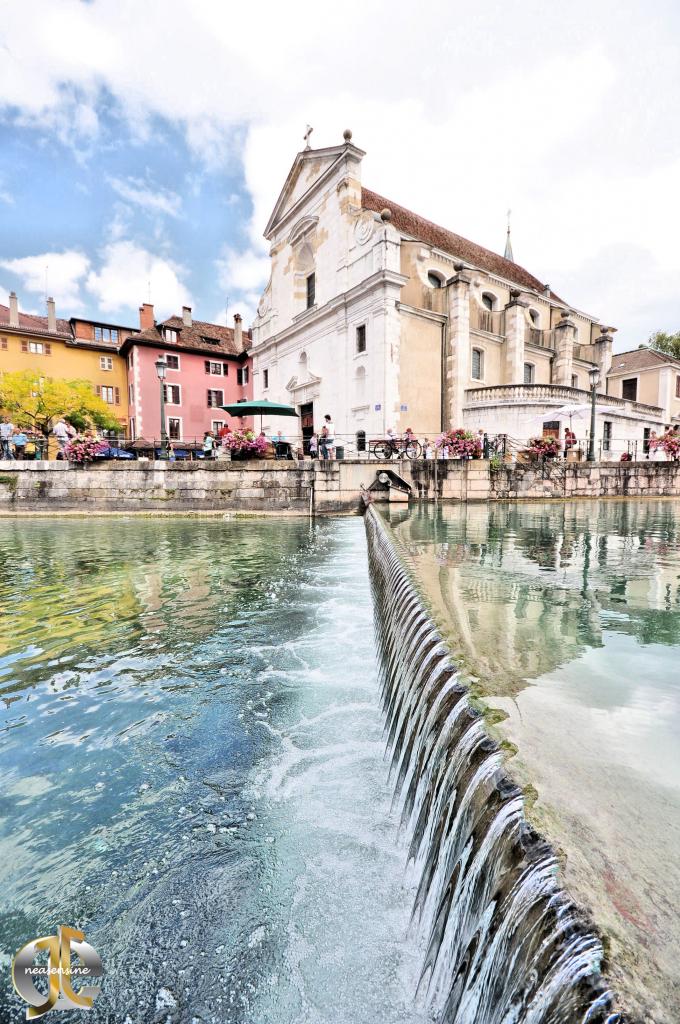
[209,397]
[225,369]
[207,366]
[48,348]
[117,394]
[24,346]
[98,390]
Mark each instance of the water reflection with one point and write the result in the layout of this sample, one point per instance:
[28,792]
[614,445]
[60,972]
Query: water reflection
[523,589]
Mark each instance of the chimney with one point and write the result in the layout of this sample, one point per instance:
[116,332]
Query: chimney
[186,316]
[238,331]
[146,318]
[13,310]
[51,316]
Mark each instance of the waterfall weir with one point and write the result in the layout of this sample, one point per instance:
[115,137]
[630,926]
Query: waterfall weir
[503,943]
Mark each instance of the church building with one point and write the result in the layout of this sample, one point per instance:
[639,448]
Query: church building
[385,321]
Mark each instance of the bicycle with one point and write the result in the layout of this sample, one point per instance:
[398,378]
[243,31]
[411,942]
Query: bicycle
[384,450]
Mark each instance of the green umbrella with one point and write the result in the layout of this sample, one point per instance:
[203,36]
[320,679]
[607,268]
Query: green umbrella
[253,408]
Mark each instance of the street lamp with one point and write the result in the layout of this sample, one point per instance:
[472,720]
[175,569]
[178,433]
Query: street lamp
[594,375]
[161,370]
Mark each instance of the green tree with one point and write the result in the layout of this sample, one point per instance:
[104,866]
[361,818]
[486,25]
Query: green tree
[36,402]
[668,343]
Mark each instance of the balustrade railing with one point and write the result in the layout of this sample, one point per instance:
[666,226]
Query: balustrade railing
[541,338]
[536,393]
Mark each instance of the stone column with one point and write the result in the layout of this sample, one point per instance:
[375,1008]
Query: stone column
[603,354]
[565,336]
[457,347]
[515,336]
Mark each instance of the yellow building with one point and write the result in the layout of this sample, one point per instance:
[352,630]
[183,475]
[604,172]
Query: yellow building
[74,349]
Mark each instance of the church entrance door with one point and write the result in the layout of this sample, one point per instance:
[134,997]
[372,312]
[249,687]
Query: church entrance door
[307,424]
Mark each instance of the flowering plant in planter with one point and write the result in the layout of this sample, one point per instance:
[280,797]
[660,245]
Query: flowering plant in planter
[460,444]
[669,443]
[246,441]
[544,447]
[84,449]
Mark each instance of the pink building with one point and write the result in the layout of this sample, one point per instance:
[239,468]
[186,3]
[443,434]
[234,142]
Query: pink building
[207,366]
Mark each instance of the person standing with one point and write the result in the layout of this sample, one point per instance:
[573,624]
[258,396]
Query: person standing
[328,437]
[61,432]
[314,445]
[20,441]
[6,431]
[208,445]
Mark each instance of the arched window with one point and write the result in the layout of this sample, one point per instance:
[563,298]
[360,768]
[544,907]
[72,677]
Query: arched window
[434,279]
[574,380]
[477,372]
[529,373]
[489,300]
[535,317]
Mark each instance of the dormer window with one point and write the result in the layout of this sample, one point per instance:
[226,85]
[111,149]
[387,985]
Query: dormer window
[434,280]
[169,334]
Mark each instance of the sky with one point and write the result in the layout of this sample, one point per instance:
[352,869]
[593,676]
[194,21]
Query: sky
[143,145]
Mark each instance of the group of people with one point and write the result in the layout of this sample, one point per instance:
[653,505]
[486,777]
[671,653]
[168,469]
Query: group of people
[322,444]
[17,443]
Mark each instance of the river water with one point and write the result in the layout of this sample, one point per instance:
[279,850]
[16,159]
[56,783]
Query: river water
[191,765]
[566,619]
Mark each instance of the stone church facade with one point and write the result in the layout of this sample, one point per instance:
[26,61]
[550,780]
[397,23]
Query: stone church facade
[387,321]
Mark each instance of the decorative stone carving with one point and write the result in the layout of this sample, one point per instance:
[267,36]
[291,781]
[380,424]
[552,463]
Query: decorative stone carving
[363,228]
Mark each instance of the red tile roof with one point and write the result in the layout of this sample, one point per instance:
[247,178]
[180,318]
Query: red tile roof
[440,238]
[35,324]
[208,339]
[640,359]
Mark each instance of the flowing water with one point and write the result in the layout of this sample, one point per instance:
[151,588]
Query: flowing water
[565,620]
[191,757]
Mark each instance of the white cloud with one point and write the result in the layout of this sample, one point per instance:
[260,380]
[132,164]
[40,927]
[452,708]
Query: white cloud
[59,274]
[242,270]
[147,195]
[129,273]
[553,112]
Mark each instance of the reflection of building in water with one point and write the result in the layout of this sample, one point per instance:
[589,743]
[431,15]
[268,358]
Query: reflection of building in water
[523,589]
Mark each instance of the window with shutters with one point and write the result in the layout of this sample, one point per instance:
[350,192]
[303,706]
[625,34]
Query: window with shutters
[169,334]
[172,394]
[217,426]
[3,344]
[477,364]
[215,399]
[109,395]
[37,348]
[174,428]
[105,363]
[172,362]
[217,369]
[242,375]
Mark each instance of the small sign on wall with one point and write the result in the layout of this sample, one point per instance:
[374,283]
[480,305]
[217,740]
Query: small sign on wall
[404,408]
[378,408]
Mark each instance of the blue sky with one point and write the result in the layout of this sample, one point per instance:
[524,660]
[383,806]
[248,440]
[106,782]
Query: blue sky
[149,142]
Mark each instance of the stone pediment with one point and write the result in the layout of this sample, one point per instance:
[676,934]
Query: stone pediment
[295,384]
[310,168]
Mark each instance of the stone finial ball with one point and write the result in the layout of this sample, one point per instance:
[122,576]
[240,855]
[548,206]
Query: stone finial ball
[347,135]
[386,215]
